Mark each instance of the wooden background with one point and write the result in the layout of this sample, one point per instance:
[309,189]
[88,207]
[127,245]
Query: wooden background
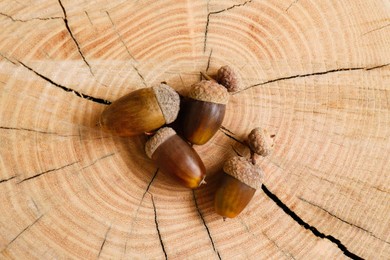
[316,74]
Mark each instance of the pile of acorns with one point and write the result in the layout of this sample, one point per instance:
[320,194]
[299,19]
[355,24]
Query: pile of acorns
[149,110]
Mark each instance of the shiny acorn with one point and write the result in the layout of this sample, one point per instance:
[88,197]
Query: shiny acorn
[240,181]
[140,111]
[204,111]
[175,156]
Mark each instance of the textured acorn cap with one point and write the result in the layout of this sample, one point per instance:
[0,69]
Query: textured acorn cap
[229,78]
[260,141]
[169,102]
[158,138]
[243,170]
[209,91]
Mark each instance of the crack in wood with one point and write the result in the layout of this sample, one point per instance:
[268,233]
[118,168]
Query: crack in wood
[48,171]
[218,12]
[36,206]
[77,93]
[305,225]
[89,18]
[148,187]
[376,29]
[287,254]
[31,19]
[35,131]
[139,206]
[292,3]
[312,74]
[157,227]
[65,19]
[7,59]
[209,60]
[230,134]
[24,230]
[127,49]
[342,220]
[95,161]
[8,179]
[205,224]
[104,241]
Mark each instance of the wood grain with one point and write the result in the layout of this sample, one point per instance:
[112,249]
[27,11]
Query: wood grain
[316,74]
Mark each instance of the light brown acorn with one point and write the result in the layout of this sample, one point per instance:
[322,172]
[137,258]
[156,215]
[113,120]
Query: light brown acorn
[140,111]
[239,184]
[229,78]
[204,111]
[175,156]
[260,142]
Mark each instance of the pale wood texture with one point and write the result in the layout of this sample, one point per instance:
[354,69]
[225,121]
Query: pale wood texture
[316,74]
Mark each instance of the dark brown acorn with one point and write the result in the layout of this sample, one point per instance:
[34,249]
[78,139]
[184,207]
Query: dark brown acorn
[175,156]
[204,111]
[140,111]
[240,181]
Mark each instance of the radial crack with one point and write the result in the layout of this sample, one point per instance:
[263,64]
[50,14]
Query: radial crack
[313,74]
[205,225]
[209,60]
[157,227]
[48,171]
[24,230]
[77,93]
[98,159]
[139,206]
[292,3]
[342,220]
[31,19]
[33,130]
[7,59]
[65,18]
[8,179]
[218,12]
[230,134]
[127,49]
[376,29]
[301,222]
[104,241]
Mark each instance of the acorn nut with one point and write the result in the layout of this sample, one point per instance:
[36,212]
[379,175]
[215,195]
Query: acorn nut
[239,184]
[175,156]
[230,79]
[204,111]
[140,111]
[260,142]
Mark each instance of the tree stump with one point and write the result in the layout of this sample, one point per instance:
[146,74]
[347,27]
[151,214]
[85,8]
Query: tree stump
[315,74]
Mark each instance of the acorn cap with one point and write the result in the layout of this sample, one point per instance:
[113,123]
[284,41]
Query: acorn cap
[260,141]
[158,138]
[243,170]
[168,100]
[209,91]
[227,77]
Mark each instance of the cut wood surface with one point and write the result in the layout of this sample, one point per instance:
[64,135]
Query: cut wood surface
[315,73]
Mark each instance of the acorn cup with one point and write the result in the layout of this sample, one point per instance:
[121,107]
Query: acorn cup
[239,184]
[140,111]
[175,156]
[204,111]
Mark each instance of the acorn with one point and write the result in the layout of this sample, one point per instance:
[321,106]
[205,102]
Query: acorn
[229,78]
[260,142]
[140,111]
[175,156]
[204,111]
[239,184]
